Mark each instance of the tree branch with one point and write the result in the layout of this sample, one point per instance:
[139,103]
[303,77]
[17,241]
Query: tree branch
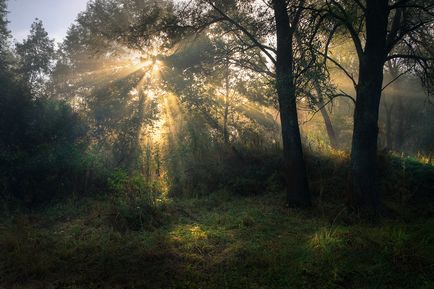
[409,56]
[265,49]
[396,78]
[353,33]
[339,66]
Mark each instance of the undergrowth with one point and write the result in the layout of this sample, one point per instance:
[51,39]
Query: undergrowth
[217,241]
[133,236]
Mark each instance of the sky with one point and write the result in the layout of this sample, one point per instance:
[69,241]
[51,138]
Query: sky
[56,15]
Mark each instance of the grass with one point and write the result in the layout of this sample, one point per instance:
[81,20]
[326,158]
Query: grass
[218,241]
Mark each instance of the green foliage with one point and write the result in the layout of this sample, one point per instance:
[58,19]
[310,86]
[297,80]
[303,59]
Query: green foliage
[136,21]
[407,178]
[98,215]
[236,169]
[43,153]
[4,36]
[42,145]
[117,119]
[134,202]
[42,140]
[35,58]
[252,172]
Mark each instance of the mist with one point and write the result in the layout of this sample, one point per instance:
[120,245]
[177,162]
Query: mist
[218,144]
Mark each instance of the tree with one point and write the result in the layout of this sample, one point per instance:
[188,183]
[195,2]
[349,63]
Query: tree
[35,58]
[316,77]
[376,28]
[139,24]
[41,140]
[206,76]
[4,32]
[6,57]
[251,24]
[298,191]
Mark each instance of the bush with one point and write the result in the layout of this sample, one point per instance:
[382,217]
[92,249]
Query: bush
[133,202]
[42,151]
[407,180]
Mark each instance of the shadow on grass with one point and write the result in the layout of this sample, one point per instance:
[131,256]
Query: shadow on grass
[219,241]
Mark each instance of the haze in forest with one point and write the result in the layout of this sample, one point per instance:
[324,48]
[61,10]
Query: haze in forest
[216,144]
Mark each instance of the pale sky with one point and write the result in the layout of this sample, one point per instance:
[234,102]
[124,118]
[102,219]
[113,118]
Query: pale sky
[56,15]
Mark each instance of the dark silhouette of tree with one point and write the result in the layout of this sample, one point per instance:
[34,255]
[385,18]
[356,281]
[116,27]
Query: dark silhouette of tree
[6,57]
[298,191]
[4,32]
[41,140]
[376,28]
[35,58]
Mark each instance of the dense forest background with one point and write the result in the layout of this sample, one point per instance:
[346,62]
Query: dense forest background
[220,144]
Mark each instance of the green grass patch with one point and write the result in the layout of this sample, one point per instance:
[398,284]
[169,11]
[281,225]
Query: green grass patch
[217,241]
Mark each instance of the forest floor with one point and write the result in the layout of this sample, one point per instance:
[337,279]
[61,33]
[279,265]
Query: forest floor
[219,241]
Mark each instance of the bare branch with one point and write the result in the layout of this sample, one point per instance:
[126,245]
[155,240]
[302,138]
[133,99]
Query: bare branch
[339,66]
[409,56]
[396,78]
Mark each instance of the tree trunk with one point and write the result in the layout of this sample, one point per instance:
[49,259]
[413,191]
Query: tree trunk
[394,142]
[226,105]
[388,128]
[329,126]
[400,127]
[327,121]
[297,186]
[225,124]
[365,192]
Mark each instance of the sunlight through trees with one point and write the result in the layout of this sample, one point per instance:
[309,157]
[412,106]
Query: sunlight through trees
[262,144]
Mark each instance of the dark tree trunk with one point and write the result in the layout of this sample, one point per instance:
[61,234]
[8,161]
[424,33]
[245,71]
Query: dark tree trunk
[329,126]
[297,185]
[365,192]
[327,121]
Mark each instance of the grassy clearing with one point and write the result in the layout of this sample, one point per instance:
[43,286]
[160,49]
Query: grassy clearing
[219,241]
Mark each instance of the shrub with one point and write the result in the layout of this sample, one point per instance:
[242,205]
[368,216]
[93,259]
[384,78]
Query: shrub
[133,202]
[42,151]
